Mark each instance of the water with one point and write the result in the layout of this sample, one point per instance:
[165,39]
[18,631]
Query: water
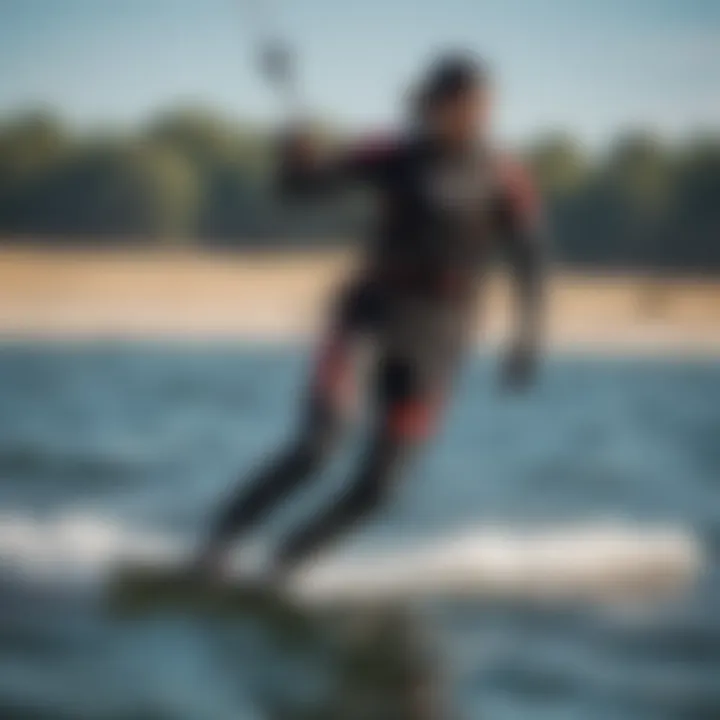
[150,436]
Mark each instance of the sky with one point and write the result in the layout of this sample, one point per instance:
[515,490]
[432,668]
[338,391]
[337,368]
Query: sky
[592,68]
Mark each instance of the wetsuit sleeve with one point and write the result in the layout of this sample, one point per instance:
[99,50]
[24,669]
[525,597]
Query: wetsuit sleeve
[523,235]
[304,172]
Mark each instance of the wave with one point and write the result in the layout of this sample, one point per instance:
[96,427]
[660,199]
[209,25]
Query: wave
[598,561]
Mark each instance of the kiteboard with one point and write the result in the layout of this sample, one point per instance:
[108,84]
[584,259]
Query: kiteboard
[379,655]
[143,589]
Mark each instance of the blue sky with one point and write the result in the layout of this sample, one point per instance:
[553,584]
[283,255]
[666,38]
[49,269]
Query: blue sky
[587,66]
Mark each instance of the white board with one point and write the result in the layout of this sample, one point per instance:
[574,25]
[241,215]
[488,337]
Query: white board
[590,562]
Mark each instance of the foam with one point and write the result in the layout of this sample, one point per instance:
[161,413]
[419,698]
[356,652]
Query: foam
[598,561]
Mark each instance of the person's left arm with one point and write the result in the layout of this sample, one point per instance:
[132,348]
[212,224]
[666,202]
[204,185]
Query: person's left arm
[522,231]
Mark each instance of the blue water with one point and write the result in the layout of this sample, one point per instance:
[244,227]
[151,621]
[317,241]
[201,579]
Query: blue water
[152,435]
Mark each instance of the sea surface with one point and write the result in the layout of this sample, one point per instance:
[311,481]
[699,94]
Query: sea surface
[150,436]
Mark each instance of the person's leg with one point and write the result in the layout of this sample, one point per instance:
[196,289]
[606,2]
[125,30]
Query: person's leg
[283,474]
[356,314]
[406,416]
[382,463]
[320,429]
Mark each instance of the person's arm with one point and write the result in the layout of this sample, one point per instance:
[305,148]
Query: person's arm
[524,241]
[306,171]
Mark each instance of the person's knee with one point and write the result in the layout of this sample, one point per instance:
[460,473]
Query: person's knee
[409,408]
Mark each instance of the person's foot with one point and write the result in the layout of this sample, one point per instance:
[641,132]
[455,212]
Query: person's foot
[213,565]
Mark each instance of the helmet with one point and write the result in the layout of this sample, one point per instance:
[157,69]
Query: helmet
[450,75]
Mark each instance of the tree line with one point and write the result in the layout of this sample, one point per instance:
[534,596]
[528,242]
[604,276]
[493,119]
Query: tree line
[192,177]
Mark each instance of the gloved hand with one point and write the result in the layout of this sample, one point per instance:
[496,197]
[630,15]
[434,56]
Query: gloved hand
[298,159]
[298,144]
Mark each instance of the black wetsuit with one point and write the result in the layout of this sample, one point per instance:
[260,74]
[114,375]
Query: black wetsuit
[441,215]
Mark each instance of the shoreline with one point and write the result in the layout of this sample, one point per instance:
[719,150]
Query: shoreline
[113,295]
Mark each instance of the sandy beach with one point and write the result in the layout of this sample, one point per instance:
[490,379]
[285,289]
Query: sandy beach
[80,294]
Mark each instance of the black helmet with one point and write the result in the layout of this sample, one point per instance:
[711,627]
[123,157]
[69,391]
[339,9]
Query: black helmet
[451,75]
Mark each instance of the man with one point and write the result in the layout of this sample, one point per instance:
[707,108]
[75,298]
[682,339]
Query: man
[446,200]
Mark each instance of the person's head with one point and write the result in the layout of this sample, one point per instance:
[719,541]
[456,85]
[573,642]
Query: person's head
[453,101]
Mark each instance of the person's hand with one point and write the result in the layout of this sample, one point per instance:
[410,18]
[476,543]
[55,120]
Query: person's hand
[299,157]
[299,145]
[519,366]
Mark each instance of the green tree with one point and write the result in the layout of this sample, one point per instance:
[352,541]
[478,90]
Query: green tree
[696,223]
[31,147]
[558,164]
[113,188]
[233,166]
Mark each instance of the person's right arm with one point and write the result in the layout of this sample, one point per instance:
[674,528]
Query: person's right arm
[306,171]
